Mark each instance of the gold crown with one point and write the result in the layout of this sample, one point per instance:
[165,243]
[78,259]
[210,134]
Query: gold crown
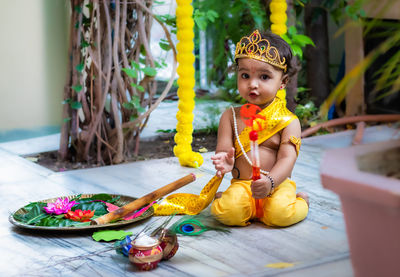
[255,47]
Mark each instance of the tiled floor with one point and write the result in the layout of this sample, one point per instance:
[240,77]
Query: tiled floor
[317,246]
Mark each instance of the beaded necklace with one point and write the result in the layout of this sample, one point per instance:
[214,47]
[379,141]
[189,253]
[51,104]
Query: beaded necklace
[240,144]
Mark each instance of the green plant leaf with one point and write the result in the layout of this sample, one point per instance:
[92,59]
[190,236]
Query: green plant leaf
[164,44]
[98,207]
[78,8]
[135,65]
[80,67]
[286,38]
[140,88]
[149,71]
[77,88]
[65,120]
[292,30]
[297,50]
[109,235]
[128,105]
[76,105]
[130,72]
[84,44]
[212,15]
[302,40]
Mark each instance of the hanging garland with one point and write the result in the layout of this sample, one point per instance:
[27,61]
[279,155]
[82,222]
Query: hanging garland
[186,82]
[278,18]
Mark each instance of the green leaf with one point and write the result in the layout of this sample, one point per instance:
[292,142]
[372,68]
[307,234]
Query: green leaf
[286,38]
[80,67]
[133,117]
[109,235]
[66,101]
[90,6]
[77,88]
[101,196]
[78,8]
[35,213]
[212,15]
[65,120]
[76,105]
[128,105]
[98,207]
[292,30]
[164,44]
[149,71]
[297,51]
[302,40]
[84,44]
[135,65]
[130,72]
[140,88]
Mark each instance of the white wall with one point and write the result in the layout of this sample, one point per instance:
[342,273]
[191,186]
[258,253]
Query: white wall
[33,52]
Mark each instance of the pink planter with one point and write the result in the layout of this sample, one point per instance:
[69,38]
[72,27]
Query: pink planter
[370,203]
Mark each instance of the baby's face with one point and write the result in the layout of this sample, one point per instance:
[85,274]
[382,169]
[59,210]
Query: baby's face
[258,82]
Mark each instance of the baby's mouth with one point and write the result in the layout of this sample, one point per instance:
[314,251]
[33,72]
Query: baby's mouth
[253,94]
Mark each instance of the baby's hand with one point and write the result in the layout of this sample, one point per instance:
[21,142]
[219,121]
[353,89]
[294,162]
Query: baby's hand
[261,188]
[224,161]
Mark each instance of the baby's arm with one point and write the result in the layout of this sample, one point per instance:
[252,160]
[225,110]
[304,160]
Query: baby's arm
[285,161]
[224,158]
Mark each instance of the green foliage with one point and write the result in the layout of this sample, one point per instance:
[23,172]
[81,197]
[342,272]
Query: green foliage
[203,18]
[36,215]
[297,41]
[388,77]
[226,22]
[73,104]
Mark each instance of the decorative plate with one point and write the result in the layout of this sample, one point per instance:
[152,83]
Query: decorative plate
[123,200]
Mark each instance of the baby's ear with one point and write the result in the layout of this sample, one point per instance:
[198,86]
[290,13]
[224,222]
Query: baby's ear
[285,79]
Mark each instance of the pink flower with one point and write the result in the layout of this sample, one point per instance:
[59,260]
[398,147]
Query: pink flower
[61,206]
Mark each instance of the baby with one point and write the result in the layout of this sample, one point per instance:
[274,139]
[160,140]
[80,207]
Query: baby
[263,70]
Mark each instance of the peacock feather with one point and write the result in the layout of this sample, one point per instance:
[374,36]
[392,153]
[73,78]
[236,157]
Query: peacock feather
[194,225]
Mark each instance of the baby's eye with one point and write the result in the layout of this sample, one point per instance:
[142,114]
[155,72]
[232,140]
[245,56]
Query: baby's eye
[245,76]
[264,77]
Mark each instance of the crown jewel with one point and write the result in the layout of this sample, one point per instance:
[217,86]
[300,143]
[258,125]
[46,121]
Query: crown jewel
[255,47]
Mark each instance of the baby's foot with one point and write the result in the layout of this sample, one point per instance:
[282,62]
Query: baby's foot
[218,195]
[304,196]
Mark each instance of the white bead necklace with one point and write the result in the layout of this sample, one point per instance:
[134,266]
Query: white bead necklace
[240,144]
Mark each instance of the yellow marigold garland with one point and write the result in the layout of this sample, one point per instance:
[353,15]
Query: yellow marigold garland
[186,82]
[278,18]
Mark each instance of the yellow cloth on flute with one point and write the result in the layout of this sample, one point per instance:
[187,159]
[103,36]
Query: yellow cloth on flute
[277,117]
[187,203]
[236,207]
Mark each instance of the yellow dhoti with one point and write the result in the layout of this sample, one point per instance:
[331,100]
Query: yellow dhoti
[236,207]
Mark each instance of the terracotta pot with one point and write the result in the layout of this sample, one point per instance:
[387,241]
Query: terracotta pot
[145,257]
[370,203]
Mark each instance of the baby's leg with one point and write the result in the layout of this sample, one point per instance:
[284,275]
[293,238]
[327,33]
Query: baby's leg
[235,206]
[284,208]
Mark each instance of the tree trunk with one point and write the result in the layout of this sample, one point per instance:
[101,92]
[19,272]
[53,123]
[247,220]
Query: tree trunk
[110,87]
[317,57]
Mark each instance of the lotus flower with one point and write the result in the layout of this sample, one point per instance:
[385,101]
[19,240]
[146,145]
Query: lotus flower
[61,206]
[79,215]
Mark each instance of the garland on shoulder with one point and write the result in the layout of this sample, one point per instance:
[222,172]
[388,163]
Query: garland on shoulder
[278,18]
[186,82]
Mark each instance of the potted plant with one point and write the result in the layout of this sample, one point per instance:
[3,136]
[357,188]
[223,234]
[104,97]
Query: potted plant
[367,180]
